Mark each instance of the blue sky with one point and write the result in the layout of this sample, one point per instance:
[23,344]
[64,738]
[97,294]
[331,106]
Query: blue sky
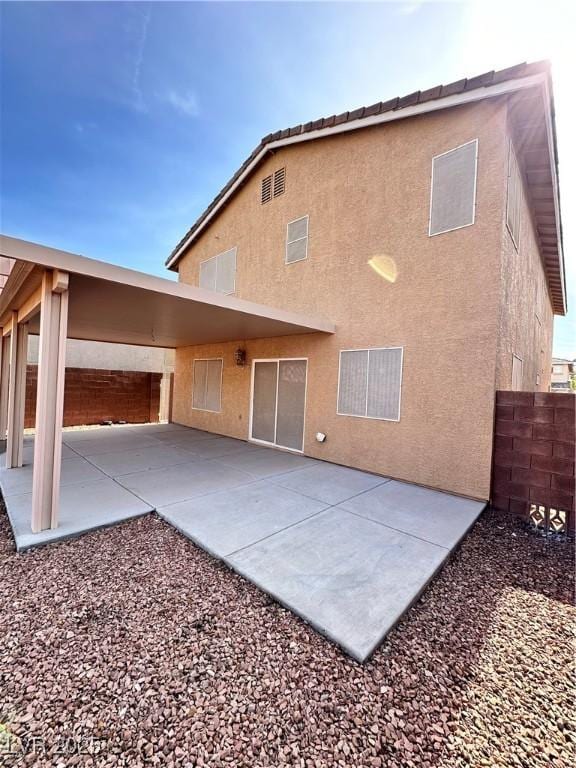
[121,121]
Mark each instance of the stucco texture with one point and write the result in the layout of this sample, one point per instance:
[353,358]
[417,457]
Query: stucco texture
[368,194]
[526,318]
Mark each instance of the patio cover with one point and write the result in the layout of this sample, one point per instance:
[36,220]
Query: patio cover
[111,303]
[61,295]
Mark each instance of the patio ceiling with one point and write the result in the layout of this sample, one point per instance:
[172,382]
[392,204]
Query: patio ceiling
[114,304]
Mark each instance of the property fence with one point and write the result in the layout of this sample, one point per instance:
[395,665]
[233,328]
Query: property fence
[534,453]
[92,396]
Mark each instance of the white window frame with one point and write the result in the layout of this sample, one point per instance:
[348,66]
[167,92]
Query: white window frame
[208,360]
[369,349]
[462,226]
[216,258]
[289,242]
[277,360]
[512,155]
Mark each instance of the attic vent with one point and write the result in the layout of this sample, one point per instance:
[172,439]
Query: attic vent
[266,189]
[273,185]
[279,181]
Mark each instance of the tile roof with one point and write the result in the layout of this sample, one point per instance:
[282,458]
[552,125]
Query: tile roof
[400,102]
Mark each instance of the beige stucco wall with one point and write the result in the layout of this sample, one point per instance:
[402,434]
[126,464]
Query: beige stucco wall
[368,194]
[526,317]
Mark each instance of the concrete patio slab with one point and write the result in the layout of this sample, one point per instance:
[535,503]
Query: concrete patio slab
[348,577]
[225,522]
[156,429]
[437,517]
[99,445]
[83,507]
[75,434]
[214,449]
[28,453]
[346,550]
[76,470]
[329,482]
[161,487]
[186,438]
[267,462]
[125,462]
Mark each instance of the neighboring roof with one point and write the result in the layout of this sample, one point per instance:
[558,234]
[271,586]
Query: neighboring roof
[110,303]
[487,85]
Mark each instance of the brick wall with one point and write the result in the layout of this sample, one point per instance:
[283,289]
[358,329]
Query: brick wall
[92,396]
[534,451]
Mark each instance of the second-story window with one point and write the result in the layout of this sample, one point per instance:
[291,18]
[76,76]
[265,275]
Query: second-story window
[514,197]
[297,240]
[219,272]
[273,185]
[453,193]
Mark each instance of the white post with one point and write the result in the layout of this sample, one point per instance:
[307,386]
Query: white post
[4,374]
[16,392]
[50,401]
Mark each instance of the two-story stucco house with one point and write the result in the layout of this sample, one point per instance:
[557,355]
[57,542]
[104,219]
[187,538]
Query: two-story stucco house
[428,229]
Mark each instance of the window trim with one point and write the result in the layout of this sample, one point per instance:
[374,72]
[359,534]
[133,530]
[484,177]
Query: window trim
[297,240]
[216,257]
[367,349]
[207,360]
[462,226]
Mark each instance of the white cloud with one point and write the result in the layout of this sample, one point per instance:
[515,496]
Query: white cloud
[187,103]
[142,35]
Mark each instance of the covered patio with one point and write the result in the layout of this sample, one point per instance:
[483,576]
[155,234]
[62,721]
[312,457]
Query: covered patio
[346,550]
[59,295]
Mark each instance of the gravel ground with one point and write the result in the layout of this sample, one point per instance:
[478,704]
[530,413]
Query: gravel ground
[131,647]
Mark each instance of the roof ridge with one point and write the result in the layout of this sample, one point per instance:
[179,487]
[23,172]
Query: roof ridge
[493,77]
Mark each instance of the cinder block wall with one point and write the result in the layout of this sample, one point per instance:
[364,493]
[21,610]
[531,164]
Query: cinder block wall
[92,395]
[534,451]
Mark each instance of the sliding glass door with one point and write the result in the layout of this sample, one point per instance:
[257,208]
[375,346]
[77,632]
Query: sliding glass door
[278,402]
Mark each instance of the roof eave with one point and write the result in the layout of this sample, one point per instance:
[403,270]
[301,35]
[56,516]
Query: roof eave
[445,102]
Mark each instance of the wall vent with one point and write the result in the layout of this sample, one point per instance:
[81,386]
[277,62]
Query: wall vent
[279,181]
[266,192]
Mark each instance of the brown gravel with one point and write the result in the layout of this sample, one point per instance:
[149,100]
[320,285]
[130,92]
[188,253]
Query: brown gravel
[133,642]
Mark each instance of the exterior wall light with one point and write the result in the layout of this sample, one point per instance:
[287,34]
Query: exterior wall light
[240,356]
[320,437]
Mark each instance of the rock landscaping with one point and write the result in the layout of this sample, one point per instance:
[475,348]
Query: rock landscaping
[132,647]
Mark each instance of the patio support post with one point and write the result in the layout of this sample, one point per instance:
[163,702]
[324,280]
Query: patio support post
[50,401]
[16,392]
[4,373]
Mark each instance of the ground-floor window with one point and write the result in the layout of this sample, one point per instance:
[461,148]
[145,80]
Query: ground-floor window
[207,385]
[369,383]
